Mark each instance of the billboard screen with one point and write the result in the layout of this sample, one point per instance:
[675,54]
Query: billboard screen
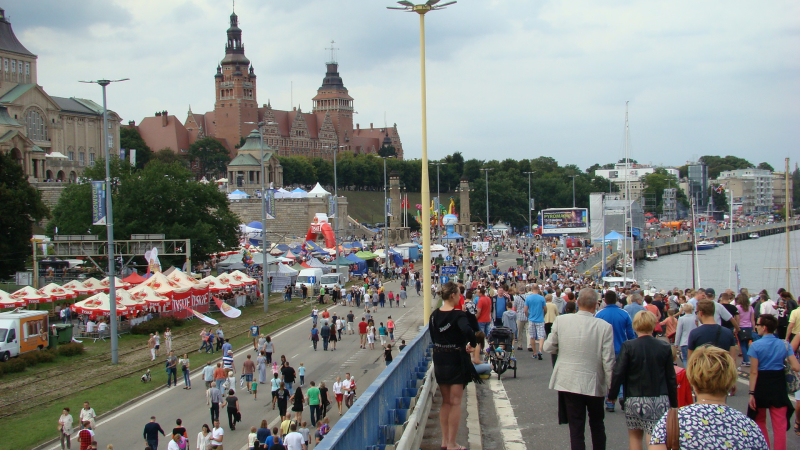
[565,221]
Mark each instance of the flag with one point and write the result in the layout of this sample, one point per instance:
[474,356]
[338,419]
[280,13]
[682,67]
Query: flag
[226,309]
[203,317]
[738,278]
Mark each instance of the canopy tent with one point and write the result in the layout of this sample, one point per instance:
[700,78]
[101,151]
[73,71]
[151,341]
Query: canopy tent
[283,269]
[613,236]
[299,193]
[255,225]
[105,284]
[129,301]
[314,262]
[57,292]
[258,259]
[93,284]
[311,246]
[161,284]
[230,260]
[169,271]
[230,281]
[214,285]
[318,191]
[134,278]
[366,256]
[185,280]
[30,295]
[438,251]
[237,195]
[453,235]
[98,305]
[342,261]
[6,301]
[79,288]
[148,295]
[243,277]
[361,265]
[283,193]
[298,267]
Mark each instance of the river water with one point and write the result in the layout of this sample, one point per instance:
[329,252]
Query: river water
[752,256]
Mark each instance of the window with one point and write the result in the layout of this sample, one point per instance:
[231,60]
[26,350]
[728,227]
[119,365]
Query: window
[27,69]
[13,65]
[72,156]
[91,159]
[81,158]
[36,125]
[33,328]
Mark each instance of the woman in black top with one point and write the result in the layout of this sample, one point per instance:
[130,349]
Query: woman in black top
[232,402]
[323,398]
[282,397]
[453,338]
[387,354]
[297,404]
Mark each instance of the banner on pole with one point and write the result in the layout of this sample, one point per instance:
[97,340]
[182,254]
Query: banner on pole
[331,206]
[98,202]
[389,207]
[532,205]
[132,154]
[122,153]
[203,317]
[226,309]
[269,198]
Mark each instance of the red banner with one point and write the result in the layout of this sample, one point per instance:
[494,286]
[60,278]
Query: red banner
[183,302]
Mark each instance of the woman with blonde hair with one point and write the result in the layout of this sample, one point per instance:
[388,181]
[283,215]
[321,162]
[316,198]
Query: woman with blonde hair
[710,423]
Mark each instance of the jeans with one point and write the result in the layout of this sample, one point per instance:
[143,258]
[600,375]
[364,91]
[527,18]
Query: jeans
[577,406]
[172,375]
[325,343]
[778,418]
[214,412]
[232,418]
[219,382]
[186,379]
[316,413]
[152,443]
[314,343]
[302,380]
[485,327]
[288,386]
[205,344]
[391,334]
[64,438]
[745,346]
[685,354]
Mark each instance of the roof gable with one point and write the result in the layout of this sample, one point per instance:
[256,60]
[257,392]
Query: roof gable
[244,159]
[8,40]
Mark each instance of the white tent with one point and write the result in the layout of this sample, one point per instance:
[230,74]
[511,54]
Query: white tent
[237,195]
[318,191]
[283,193]
[299,193]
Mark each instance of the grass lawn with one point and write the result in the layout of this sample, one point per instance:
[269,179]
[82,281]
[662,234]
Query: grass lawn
[39,425]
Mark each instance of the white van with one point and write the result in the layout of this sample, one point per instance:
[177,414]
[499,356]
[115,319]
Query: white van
[331,280]
[22,331]
[311,278]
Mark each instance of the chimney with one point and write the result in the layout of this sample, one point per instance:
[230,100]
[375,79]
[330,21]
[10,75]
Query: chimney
[164,118]
[358,126]
[131,123]
[370,125]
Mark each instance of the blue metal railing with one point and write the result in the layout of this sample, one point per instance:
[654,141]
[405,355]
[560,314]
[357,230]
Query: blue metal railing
[374,418]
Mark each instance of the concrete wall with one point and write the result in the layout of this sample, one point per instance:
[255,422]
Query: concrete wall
[51,192]
[293,216]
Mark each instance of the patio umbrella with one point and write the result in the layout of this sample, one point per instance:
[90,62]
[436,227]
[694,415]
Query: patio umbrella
[30,295]
[57,292]
[98,305]
[79,288]
[6,301]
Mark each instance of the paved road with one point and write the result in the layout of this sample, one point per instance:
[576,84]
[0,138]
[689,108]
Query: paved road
[124,429]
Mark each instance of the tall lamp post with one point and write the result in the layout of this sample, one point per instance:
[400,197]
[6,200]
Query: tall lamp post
[573,189]
[530,224]
[438,203]
[486,171]
[264,265]
[112,288]
[385,215]
[421,10]
[336,203]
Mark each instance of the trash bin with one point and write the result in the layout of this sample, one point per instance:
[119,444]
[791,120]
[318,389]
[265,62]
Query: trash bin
[520,261]
[64,331]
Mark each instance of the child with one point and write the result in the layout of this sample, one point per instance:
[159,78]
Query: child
[326,427]
[301,371]
[500,350]
[274,368]
[319,434]
[274,438]
[254,388]
[305,432]
[251,438]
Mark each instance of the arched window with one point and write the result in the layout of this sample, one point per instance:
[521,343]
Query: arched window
[36,125]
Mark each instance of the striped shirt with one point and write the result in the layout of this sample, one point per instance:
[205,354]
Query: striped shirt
[227,362]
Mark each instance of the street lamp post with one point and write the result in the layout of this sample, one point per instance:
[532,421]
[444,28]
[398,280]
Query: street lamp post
[421,10]
[438,204]
[530,224]
[112,288]
[486,171]
[336,205]
[573,189]
[385,216]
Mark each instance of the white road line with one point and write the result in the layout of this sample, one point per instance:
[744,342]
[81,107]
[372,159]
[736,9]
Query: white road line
[509,429]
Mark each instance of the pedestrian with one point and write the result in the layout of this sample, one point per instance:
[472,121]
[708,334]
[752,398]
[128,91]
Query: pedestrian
[227,361]
[214,399]
[263,432]
[86,435]
[349,388]
[332,339]
[362,332]
[338,393]
[88,414]
[622,327]
[254,334]
[172,369]
[768,382]
[185,369]
[535,308]
[314,336]
[151,344]
[710,423]
[288,375]
[403,295]
[261,364]
[248,369]
[219,375]
[301,372]
[390,328]
[217,435]
[710,332]
[150,433]
[158,343]
[325,334]
[211,338]
[324,399]
[168,339]
[220,338]
[582,373]
[383,334]
[231,405]
[177,442]
[204,438]
[453,339]
[522,318]
[269,349]
[387,354]
[281,397]
[350,320]
[65,428]
[644,366]
[298,400]
[371,335]
[484,311]
[686,323]
[294,440]
[314,402]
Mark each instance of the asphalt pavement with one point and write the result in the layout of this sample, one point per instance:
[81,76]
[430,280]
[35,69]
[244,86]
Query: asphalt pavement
[124,428]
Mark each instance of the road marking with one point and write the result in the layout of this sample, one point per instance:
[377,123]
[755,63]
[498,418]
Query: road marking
[509,430]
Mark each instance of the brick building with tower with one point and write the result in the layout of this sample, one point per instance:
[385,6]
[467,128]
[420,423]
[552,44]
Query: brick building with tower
[286,133]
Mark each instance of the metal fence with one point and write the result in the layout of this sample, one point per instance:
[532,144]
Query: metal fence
[378,415]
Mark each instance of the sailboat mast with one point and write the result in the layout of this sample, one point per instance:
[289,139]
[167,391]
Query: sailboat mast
[788,214]
[730,238]
[694,247]
[627,200]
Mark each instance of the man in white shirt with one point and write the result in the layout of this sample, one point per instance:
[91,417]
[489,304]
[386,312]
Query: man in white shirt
[102,327]
[768,307]
[348,386]
[294,440]
[173,443]
[90,327]
[217,434]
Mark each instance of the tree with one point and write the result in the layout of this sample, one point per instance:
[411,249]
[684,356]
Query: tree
[387,150]
[765,166]
[159,199]
[656,182]
[22,207]
[168,156]
[211,156]
[717,164]
[129,138]
[719,199]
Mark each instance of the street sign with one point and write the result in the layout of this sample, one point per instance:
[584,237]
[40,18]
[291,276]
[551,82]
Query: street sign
[445,279]
[448,258]
[449,270]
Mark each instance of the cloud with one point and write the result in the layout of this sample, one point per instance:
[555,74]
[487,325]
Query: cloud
[510,79]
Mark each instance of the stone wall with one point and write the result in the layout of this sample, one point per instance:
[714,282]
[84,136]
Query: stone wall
[51,192]
[293,216]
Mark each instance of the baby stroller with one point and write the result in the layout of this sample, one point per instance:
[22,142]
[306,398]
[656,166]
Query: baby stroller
[501,358]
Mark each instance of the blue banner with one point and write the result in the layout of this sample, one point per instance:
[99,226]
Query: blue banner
[389,207]
[449,270]
[269,199]
[98,202]
[331,206]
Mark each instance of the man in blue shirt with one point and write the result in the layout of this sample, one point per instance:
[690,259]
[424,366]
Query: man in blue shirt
[535,306]
[634,306]
[500,304]
[621,324]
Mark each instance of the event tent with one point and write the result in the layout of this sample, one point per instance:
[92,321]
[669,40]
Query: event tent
[148,295]
[453,235]
[299,193]
[366,256]
[283,193]
[318,191]
[361,265]
[6,301]
[57,292]
[79,288]
[105,284]
[30,295]
[237,195]
[613,236]
[342,262]
[214,285]
[98,305]
[134,278]
[283,269]
[93,284]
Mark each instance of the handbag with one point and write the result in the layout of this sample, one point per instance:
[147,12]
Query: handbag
[744,335]
[673,430]
[792,377]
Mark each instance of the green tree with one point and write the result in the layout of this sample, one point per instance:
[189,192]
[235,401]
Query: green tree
[656,182]
[717,164]
[720,199]
[796,188]
[387,150]
[168,156]
[211,156]
[129,138]
[765,166]
[159,199]
[22,207]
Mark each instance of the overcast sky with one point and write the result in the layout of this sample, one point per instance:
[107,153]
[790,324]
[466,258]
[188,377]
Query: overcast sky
[506,78]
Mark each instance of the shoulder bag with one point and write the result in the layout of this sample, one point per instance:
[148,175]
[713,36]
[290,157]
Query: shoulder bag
[673,430]
[792,377]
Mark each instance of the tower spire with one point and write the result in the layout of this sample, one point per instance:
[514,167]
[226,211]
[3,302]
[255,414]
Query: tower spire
[333,53]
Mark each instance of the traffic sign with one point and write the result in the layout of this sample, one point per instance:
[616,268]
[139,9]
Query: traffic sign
[449,270]
[445,279]
[448,258]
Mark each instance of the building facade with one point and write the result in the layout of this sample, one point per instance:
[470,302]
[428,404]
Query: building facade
[633,174]
[779,189]
[698,184]
[52,138]
[753,185]
[236,113]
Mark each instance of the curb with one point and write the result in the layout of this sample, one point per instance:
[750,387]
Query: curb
[473,419]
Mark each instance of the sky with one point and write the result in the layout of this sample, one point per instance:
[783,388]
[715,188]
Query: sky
[506,78]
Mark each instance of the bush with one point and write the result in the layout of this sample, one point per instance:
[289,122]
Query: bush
[71,349]
[45,356]
[29,359]
[14,365]
[158,324]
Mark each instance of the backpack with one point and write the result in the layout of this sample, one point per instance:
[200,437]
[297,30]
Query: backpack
[469,307]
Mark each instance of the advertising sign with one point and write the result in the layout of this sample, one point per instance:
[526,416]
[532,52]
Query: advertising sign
[331,206]
[533,204]
[98,202]
[565,221]
[480,246]
[132,155]
[449,270]
[389,207]
[269,200]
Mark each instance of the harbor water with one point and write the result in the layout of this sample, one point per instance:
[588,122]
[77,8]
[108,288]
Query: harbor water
[752,256]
